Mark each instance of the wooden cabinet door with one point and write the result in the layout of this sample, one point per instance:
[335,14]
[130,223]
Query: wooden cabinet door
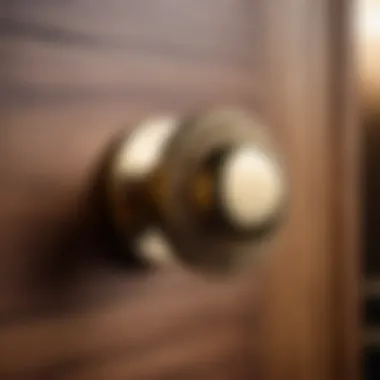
[72,73]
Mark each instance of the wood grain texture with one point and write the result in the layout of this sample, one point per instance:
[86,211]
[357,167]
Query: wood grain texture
[138,338]
[75,72]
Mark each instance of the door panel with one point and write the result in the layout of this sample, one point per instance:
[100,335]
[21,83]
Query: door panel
[76,72]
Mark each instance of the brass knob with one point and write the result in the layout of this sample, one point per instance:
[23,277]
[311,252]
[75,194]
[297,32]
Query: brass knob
[205,190]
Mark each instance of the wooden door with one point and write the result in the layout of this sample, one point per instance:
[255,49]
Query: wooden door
[74,72]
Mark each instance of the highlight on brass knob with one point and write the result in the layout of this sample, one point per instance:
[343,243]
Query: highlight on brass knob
[205,190]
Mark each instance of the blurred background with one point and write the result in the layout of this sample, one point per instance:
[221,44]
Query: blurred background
[368,32]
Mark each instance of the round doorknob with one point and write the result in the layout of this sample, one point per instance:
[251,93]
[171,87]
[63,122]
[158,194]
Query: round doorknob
[205,190]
